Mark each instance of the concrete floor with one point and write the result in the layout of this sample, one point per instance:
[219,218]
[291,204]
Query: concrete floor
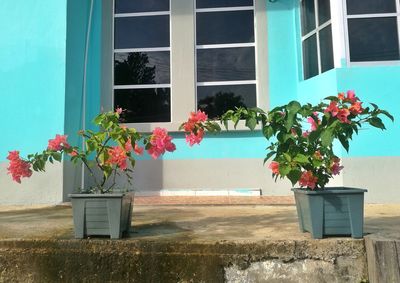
[204,224]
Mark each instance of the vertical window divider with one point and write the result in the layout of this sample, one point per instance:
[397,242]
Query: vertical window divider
[398,20]
[317,30]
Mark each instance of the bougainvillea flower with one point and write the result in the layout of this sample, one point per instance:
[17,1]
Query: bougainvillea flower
[138,150]
[118,157]
[128,145]
[306,134]
[314,124]
[351,96]
[274,166]
[193,138]
[332,108]
[58,143]
[341,96]
[73,153]
[160,142]
[198,116]
[342,115]
[18,168]
[356,108]
[336,167]
[307,179]
[118,110]
[189,126]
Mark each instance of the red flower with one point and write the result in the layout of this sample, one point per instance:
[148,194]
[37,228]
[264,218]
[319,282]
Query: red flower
[58,143]
[332,108]
[335,167]
[18,168]
[356,108]
[274,166]
[341,96]
[307,179]
[343,114]
[138,150]
[118,157]
[351,96]
[193,138]
[160,142]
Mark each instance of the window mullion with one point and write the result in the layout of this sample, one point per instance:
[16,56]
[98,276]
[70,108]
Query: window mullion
[317,36]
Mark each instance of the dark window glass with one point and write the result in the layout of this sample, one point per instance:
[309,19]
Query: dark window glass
[324,11]
[355,7]
[142,32]
[310,57]
[222,3]
[142,68]
[307,16]
[216,100]
[326,48]
[135,6]
[225,64]
[373,39]
[144,105]
[225,27]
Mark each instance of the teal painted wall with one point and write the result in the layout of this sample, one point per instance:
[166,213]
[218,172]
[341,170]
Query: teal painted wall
[32,73]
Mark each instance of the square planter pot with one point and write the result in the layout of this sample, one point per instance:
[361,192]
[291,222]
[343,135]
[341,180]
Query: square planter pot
[333,211]
[101,214]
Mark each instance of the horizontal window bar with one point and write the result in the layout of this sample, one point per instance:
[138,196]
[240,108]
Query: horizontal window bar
[141,86]
[318,29]
[382,15]
[228,45]
[226,83]
[151,49]
[142,14]
[224,9]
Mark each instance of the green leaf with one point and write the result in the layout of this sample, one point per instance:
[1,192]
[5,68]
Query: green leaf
[301,158]
[293,106]
[294,176]
[57,156]
[374,105]
[133,162]
[344,141]
[284,169]
[376,122]
[269,155]
[387,114]
[251,123]
[268,132]
[327,138]
[287,156]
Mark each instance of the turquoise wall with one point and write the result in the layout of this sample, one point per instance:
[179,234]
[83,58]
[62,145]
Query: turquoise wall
[32,73]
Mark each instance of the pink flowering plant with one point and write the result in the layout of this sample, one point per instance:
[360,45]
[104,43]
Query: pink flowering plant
[109,150]
[302,136]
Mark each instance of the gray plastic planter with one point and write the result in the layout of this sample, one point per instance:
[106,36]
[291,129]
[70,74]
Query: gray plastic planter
[101,214]
[332,211]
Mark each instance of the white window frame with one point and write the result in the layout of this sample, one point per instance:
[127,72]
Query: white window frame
[316,31]
[366,16]
[182,49]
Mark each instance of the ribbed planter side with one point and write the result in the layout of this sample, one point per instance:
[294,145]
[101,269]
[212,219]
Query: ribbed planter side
[101,214]
[332,211]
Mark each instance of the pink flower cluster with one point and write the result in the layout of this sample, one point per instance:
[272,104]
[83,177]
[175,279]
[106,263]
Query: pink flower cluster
[118,157]
[18,168]
[58,143]
[343,113]
[307,179]
[160,142]
[336,167]
[194,127]
[274,166]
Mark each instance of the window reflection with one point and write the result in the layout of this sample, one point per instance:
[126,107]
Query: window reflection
[141,32]
[144,105]
[225,64]
[222,3]
[142,68]
[307,16]
[310,57]
[355,7]
[216,100]
[129,6]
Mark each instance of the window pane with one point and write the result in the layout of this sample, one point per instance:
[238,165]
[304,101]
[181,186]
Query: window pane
[129,6]
[216,100]
[307,16]
[225,27]
[142,68]
[310,57]
[373,39]
[326,48]
[324,11]
[222,3]
[355,7]
[142,32]
[225,64]
[144,105]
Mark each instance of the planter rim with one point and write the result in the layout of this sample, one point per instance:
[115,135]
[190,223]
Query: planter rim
[116,195]
[331,191]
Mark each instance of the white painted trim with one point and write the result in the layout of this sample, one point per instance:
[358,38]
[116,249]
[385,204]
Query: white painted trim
[224,9]
[227,83]
[317,35]
[367,16]
[151,49]
[227,45]
[338,37]
[142,14]
[200,193]
[141,86]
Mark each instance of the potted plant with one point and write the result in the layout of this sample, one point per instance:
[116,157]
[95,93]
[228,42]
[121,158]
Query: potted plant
[302,151]
[103,208]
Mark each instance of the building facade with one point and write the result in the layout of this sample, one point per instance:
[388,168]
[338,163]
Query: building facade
[62,62]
